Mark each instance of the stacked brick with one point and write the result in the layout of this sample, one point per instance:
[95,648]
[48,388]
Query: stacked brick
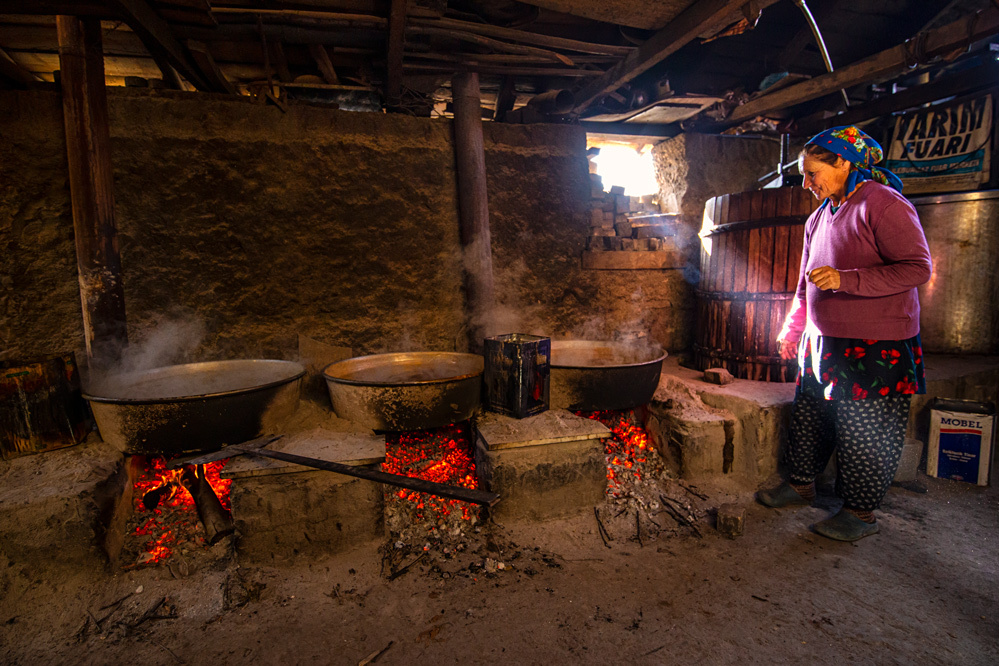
[622,223]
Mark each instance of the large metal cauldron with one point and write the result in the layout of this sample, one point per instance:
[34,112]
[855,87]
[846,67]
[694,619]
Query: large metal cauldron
[406,391]
[591,375]
[196,407]
[960,303]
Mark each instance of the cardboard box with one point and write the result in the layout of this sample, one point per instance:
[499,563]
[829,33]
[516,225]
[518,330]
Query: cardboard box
[960,445]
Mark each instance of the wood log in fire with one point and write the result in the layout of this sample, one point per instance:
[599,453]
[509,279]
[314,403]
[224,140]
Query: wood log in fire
[216,520]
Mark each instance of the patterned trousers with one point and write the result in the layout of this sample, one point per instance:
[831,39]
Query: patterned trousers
[867,436]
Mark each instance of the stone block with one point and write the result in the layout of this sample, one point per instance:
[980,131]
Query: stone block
[719,376]
[908,465]
[544,466]
[282,510]
[731,520]
[281,516]
[617,190]
[654,231]
[630,260]
[623,229]
[315,356]
[63,512]
[695,443]
[628,244]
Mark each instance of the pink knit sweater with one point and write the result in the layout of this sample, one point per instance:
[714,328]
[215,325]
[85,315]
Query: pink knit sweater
[876,243]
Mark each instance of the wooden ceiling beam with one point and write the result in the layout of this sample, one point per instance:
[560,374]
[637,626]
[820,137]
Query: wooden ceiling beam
[696,19]
[161,42]
[13,74]
[965,82]
[879,67]
[206,64]
[325,65]
[525,37]
[57,7]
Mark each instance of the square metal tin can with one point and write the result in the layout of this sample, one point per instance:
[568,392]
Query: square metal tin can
[517,374]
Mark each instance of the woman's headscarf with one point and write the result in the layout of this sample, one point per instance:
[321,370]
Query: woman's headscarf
[861,151]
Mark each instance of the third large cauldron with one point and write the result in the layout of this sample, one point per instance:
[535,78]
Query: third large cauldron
[595,375]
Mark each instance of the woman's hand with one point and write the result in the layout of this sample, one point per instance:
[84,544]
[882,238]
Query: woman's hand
[824,277]
[787,350]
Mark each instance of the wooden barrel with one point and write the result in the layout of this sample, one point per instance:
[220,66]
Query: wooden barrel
[751,246]
[41,407]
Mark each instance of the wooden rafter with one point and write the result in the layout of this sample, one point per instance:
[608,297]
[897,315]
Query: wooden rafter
[207,65]
[525,37]
[965,82]
[54,7]
[323,62]
[161,42]
[13,74]
[693,21]
[878,67]
[280,61]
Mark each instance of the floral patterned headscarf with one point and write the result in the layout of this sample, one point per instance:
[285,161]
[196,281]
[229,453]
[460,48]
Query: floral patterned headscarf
[861,151]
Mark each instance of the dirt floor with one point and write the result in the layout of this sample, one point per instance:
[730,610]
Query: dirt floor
[923,591]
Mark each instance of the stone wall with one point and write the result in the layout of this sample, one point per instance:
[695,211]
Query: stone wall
[241,227]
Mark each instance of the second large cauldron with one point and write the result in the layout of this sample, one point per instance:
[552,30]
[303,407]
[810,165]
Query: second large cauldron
[406,391]
[595,375]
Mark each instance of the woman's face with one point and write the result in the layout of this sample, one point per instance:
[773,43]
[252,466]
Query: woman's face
[825,180]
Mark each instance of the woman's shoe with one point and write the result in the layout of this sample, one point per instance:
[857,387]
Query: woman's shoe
[845,526]
[781,496]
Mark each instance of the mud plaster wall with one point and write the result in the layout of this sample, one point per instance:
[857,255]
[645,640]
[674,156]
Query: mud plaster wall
[260,225]
[539,191]
[692,168]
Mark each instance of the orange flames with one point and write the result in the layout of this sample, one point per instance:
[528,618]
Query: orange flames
[173,514]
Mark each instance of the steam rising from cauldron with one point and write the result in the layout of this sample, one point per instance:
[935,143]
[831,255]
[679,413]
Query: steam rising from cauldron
[166,340]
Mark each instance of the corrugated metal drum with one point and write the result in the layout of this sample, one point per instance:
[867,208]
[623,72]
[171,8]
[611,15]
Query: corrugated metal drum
[960,303]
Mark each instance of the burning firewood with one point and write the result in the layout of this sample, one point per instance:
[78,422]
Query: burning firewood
[216,520]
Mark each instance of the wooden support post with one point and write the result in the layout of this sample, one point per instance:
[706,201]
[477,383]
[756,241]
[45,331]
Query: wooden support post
[85,113]
[473,203]
[505,100]
[396,39]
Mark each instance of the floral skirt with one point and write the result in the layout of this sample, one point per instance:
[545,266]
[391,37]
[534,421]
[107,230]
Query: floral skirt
[854,369]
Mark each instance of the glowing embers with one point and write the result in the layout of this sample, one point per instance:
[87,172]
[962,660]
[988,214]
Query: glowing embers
[443,455]
[166,519]
[630,456]
[639,487]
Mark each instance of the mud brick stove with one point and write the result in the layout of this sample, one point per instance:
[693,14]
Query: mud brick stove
[545,465]
[542,466]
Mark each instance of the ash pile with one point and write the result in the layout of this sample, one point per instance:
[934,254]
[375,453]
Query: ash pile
[644,502]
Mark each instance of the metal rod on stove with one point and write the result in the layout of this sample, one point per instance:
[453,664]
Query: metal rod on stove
[419,485]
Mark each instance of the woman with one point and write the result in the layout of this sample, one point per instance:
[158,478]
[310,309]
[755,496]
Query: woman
[854,325]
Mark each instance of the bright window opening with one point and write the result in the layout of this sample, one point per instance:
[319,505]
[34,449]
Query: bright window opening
[626,165]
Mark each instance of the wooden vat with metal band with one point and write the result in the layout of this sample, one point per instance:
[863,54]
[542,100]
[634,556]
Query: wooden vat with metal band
[751,245]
